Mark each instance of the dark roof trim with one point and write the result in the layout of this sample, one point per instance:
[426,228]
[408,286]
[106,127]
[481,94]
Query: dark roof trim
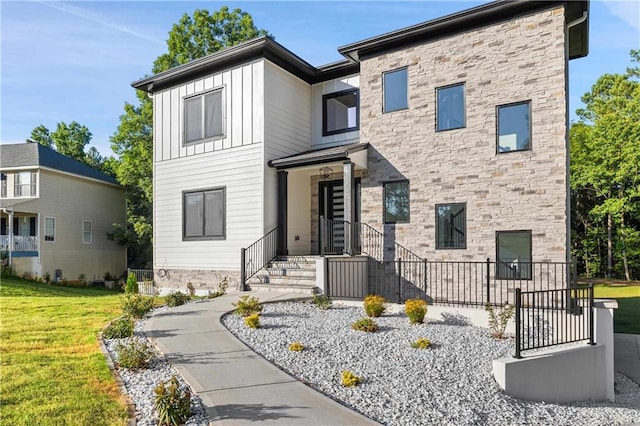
[320,156]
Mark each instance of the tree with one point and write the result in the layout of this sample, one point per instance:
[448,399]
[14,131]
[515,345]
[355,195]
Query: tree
[191,38]
[605,166]
[42,136]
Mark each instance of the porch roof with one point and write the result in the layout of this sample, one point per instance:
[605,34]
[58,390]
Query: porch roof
[318,156]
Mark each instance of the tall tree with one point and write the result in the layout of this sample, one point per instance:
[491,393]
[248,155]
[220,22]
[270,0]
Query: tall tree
[605,170]
[192,37]
[42,136]
[71,139]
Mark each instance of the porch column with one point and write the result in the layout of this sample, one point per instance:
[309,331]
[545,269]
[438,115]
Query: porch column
[10,239]
[349,205]
[281,248]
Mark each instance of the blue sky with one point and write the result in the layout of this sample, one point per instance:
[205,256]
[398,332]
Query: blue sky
[65,61]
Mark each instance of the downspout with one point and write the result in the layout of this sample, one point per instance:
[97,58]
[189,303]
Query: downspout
[568,26]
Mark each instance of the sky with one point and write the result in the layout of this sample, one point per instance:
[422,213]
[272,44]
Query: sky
[66,61]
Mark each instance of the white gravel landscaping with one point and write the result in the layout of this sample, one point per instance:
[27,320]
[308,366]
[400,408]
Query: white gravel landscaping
[450,383]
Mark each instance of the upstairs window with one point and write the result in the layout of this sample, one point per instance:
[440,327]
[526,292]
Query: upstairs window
[3,185]
[203,117]
[396,202]
[340,112]
[24,184]
[49,229]
[87,232]
[451,226]
[513,254]
[450,107]
[204,214]
[396,90]
[514,127]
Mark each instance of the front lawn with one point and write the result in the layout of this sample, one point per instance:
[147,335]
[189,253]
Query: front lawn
[627,316]
[52,369]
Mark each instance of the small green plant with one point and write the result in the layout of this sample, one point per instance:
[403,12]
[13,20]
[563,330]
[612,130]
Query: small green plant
[421,343]
[365,324]
[415,309]
[132,284]
[498,321]
[134,354]
[374,305]
[107,276]
[173,403]
[349,379]
[191,288]
[252,321]
[119,329]
[222,289]
[296,347]
[136,305]
[46,277]
[176,298]
[247,305]
[322,301]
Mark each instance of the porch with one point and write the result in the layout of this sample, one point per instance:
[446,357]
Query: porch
[19,233]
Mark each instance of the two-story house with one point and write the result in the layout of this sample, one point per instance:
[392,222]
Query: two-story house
[55,213]
[449,137]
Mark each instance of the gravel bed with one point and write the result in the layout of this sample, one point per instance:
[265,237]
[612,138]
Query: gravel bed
[141,383]
[450,383]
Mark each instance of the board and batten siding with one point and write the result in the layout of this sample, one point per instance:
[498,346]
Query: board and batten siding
[317,91]
[243,106]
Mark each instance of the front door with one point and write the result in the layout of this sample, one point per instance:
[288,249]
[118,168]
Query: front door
[332,209]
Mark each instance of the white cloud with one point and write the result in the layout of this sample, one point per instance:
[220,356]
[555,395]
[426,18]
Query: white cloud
[627,10]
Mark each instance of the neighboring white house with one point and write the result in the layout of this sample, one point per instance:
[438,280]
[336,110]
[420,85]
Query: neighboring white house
[450,137]
[55,214]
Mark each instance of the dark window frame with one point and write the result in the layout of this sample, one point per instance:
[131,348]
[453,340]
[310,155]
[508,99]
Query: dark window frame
[333,95]
[464,106]
[202,95]
[204,237]
[464,243]
[526,102]
[384,201]
[3,185]
[529,272]
[384,88]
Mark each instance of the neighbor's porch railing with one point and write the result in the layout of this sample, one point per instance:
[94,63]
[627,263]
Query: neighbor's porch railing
[257,255]
[20,243]
[145,279]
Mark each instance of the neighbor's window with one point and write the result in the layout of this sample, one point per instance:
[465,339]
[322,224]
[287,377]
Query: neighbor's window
[396,88]
[340,112]
[451,226]
[450,107]
[513,254]
[204,214]
[49,229]
[3,185]
[203,116]
[396,202]
[87,236]
[514,127]
[24,184]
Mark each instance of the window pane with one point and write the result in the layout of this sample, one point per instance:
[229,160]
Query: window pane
[341,112]
[451,107]
[396,202]
[214,213]
[213,114]
[514,254]
[451,226]
[193,214]
[49,229]
[395,90]
[86,232]
[514,127]
[193,119]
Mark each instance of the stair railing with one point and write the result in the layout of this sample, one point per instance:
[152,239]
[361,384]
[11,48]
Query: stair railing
[257,256]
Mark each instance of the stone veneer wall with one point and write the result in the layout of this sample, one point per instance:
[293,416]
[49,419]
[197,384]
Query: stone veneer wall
[518,60]
[202,279]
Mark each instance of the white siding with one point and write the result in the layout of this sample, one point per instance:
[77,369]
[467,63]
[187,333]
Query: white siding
[324,88]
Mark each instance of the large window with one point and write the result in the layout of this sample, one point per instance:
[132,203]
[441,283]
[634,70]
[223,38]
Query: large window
[451,226]
[340,112]
[24,184]
[49,229]
[204,214]
[87,234]
[513,254]
[396,202]
[396,89]
[514,127]
[450,107]
[203,117]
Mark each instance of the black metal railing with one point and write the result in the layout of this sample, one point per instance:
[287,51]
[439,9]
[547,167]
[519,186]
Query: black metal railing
[553,317]
[258,255]
[335,236]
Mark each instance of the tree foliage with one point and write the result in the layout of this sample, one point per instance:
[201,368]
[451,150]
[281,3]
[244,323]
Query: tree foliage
[605,175]
[191,38]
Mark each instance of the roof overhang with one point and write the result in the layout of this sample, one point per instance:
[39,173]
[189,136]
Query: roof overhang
[356,153]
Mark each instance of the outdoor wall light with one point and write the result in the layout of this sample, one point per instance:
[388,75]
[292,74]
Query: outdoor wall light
[326,172]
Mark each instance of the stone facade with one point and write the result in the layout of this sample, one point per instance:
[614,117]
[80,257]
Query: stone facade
[517,60]
[202,279]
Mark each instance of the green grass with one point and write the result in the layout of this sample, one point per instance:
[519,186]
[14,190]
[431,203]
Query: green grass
[627,316]
[52,369]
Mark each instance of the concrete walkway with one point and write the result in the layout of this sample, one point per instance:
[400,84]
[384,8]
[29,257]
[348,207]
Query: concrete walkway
[627,355]
[236,385]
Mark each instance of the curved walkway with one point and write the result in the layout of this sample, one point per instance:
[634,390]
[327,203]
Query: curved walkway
[236,385]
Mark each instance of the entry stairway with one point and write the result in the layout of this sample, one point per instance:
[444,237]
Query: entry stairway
[291,274]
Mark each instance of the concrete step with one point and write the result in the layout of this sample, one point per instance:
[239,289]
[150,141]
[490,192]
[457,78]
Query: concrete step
[291,272]
[282,288]
[286,280]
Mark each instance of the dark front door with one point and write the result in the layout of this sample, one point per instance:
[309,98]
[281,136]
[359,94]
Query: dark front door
[332,209]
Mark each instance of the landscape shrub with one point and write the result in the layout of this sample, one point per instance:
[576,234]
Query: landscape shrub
[374,305]
[222,289]
[172,403]
[191,289]
[349,379]
[252,321]
[177,298]
[136,305]
[296,347]
[134,354]
[365,324]
[498,322]
[119,329]
[421,343]
[322,301]
[247,305]
[132,284]
[415,309]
